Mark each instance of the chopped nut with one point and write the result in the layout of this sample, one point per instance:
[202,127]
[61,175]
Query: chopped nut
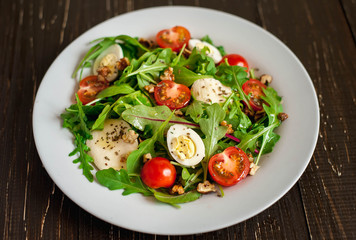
[130,136]
[150,88]
[124,157]
[229,127]
[147,157]
[282,116]
[253,168]
[266,79]
[178,113]
[223,123]
[167,74]
[177,189]
[122,63]
[103,71]
[259,114]
[250,158]
[186,52]
[206,187]
[147,43]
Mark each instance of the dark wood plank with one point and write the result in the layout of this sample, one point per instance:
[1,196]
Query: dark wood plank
[349,8]
[322,40]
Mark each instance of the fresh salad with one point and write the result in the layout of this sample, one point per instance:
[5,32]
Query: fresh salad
[172,118]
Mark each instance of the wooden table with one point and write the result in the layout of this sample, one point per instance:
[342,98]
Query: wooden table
[322,205]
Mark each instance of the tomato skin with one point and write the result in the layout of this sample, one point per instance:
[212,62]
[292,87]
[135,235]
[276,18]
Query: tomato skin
[89,87]
[255,89]
[229,167]
[158,172]
[171,94]
[235,60]
[173,38]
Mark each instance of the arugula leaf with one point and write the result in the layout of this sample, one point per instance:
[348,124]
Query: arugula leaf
[185,76]
[273,108]
[269,138]
[239,120]
[76,122]
[115,90]
[213,132]
[148,67]
[234,77]
[114,180]
[220,48]
[147,146]
[103,44]
[120,105]
[84,159]
[141,116]
[176,199]
[195,110]
[199,62]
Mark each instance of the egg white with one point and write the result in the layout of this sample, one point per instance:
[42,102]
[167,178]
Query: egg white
[181,130]
[108,58]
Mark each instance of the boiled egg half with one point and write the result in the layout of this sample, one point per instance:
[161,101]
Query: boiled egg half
[185,145]
[108,58]
[212,51]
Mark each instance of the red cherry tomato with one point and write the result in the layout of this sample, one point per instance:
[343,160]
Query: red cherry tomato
[89,87]
[158,172]
[173,38]
[172,94]
[229,167]
[254,88]
[235,60]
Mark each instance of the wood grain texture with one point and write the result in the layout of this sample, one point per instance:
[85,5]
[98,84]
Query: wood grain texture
[322,205]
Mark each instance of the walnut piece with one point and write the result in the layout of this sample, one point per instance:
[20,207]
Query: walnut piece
[282,116]
[177,189]
[167,74]
[253,168]
[178,113]
[229,127]
[265,79]
[130,136]
[206,187]
[122,63]
[150,88]
[147,157]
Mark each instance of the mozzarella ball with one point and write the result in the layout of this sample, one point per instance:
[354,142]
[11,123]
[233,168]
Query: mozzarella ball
[210,90]
[213,52]
[111,146]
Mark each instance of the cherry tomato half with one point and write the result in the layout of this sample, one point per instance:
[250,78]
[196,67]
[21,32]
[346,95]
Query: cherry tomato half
[254,88]
[229,167]
[235,60]
[173,38]
[158,172]
[172,94]
[89,87]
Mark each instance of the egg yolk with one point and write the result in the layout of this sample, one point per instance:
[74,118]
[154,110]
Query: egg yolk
[183,147]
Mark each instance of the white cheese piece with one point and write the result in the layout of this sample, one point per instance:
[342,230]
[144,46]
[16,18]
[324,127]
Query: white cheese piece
[110,147]
[210,90]
[213,52]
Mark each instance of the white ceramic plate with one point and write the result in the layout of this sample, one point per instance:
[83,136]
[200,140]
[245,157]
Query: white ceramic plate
[279,170]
